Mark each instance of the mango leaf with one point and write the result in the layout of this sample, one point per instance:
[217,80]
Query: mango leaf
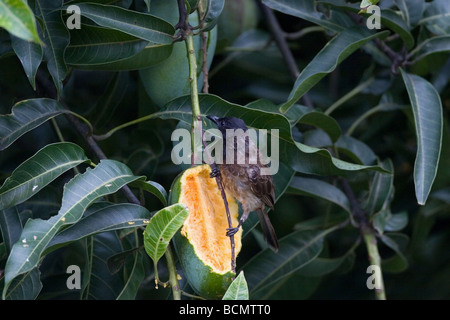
[161,228]
[17,17]
[238,289]
[112,217]
[213,11]
[38,171]
[324,122]
[398,243]
[154,188]
[93,45]
[98,282]
[436,17]
[56,39]
[427,109]
[30,55]
[106,178]
[140,25]
[388,18]
[98,48]
[430,46]
[10,226]
[305,10]
[296,250]
[336,50]
[316,188]
[26,115]
[412,10]
[26,286]
[381,189]
[137,275]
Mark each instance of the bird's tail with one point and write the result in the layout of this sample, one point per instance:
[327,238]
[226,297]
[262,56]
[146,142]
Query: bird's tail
[269,233]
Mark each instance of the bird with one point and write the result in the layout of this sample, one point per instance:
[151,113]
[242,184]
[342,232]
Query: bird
[243,179]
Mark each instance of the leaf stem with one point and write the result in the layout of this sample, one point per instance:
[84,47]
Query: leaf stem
[375,260]
[173,275]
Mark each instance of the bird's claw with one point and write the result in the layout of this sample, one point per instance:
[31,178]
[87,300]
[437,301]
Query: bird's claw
[215,172]
[232,231]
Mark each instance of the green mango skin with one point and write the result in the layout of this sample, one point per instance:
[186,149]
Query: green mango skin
[237,17]
[201,277]
[170,78]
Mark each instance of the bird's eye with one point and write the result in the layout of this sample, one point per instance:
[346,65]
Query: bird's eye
[222,123]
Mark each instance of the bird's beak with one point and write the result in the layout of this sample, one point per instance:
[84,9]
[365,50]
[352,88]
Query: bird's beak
[213,118]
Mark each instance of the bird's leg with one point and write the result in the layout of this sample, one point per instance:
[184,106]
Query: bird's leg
[232,231]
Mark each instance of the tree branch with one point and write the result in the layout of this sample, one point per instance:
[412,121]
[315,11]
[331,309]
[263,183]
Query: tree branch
[280,39]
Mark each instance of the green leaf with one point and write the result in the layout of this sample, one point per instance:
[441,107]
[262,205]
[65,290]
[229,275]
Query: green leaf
[56,39]
[265,115]
[381,189]
[430,46]
[26,115]
[112,217]
[336,50]
[388,18]
[319,189]
[93,45]
[213,11]
[100,284]
[296,250]
[398,243]
[324,122]
[412,10]
[10,226]
[161,228]
[154,188]
[106,178]
[17,17]
[436,17]
[134,281]
[427,109]
[140,25]
[25,287]
[38,171]
[30,55]
[238,289]
[305,10]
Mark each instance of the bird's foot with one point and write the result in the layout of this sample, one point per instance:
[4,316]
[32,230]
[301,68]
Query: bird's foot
[215,172]
[232,231]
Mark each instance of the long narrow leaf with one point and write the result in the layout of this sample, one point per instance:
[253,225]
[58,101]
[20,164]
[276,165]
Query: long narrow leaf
[25,116]
[161,228]
[141,25]
[238,289]
[338,49]
[56,39]
[113,217]
[17,17]
[427,109]
[38,171]
[296,250]
[107,177]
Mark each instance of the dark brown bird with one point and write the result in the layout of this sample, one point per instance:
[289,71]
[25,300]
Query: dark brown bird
[242,177]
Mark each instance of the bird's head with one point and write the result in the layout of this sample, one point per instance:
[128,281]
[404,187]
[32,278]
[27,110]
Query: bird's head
[228,123]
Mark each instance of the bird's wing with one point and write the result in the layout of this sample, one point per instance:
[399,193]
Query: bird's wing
[261,185]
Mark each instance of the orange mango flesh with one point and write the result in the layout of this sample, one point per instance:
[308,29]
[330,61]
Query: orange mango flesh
[207,223]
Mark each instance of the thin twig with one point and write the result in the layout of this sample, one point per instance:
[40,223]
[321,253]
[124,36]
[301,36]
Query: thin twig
[218,177]
[369,235]
[280,39]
